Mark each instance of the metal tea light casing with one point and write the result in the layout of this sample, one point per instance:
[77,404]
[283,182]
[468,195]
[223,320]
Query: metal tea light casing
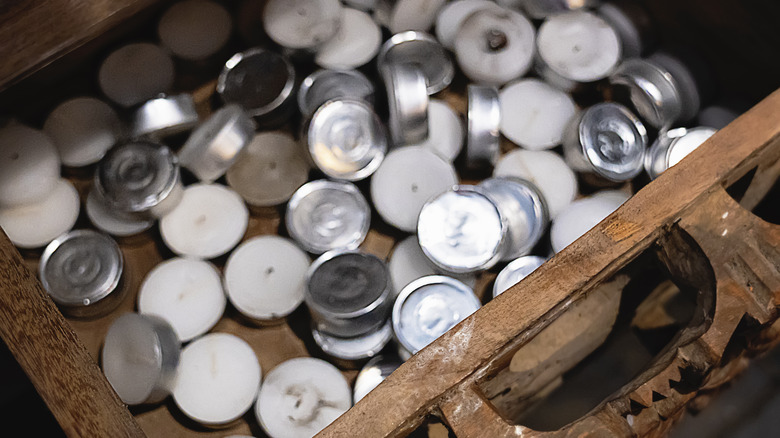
[673,145]
[483,146]
[164,116]
[324,85]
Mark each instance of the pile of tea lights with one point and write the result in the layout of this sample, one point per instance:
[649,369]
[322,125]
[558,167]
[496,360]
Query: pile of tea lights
[469,127]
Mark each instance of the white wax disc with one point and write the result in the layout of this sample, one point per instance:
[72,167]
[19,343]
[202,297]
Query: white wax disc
[452,15]
[300,397]
[302,24]
[582,215]
[83,129]
[265,277]
[495,46]
[445,130]
[363,5]
[136,73]
[29,166]
[35,225]
[579,46]
[408,263]
[269,169]
[217,380]
[111,221]
[401,15]
[547,171]
[185,292]
[209,221]
[535,115]
[406,180]
[195,29]
[356,42]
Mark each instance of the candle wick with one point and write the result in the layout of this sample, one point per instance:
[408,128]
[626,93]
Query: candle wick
[496,40]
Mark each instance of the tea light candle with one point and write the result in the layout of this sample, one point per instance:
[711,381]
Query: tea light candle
[346,140]
[214,146]
[407,99]
[165,116]
[217,379]
[582,215]
[535,115]
[544,8]
[373,373]
[324,215]
[81,270]
[208,222]
[421,51]
[402,15]
[324,85]
[135,73]
[265,277]
[462,230]
[632,25]
[653,92]
[494,46]
[579,46]
[300,397]
[111,221]
[445,130]
[405,181]
[515,271]
[35,225]
[483,143]
[348,352]
[547,171]
[269,169]
[356,42]
[29,166]
[452,15]
[363,5]
[186,293]
[302,24]
[83,129]
[684,79]
[195,29]
[140,355]
[408,263]
[672,146]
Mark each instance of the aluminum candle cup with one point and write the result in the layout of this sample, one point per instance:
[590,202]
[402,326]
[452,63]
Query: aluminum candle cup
[259,80]
[672,146]
[608,140]
[82,271]
[349,293]
[324,215]
[140,355]
[346,140]
[350,351]
[462,230]
[544,8]
[112,222]
[214,146]
[373,373]
[422,51]
[515,271]
[427,308]
[484,123]
[164,116]
[408,103]
[324,85]
[526,214]
[139,178]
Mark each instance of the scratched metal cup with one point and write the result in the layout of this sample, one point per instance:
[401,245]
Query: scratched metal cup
[164,116]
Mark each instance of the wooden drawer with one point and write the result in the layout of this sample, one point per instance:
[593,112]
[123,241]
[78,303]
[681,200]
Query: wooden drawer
[685,219]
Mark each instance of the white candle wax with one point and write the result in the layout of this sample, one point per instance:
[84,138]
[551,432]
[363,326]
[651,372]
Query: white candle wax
[265,277]
[582,215]
[401,15]
[185,292]
[35,225]
[136,73]
[579,46]
[547,171]
[495,46]
[356,42]
[208,222]
[406,180]
[29,166]
[302,24]
[535,115]
[83,129]
[408,263]
[363,5]
[195,29]
[217,380]
[452,15]
[445,130]
[269,169]
[300,397]
[111,221]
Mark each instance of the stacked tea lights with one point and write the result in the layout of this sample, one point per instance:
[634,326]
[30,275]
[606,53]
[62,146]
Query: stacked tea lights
[378,134]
